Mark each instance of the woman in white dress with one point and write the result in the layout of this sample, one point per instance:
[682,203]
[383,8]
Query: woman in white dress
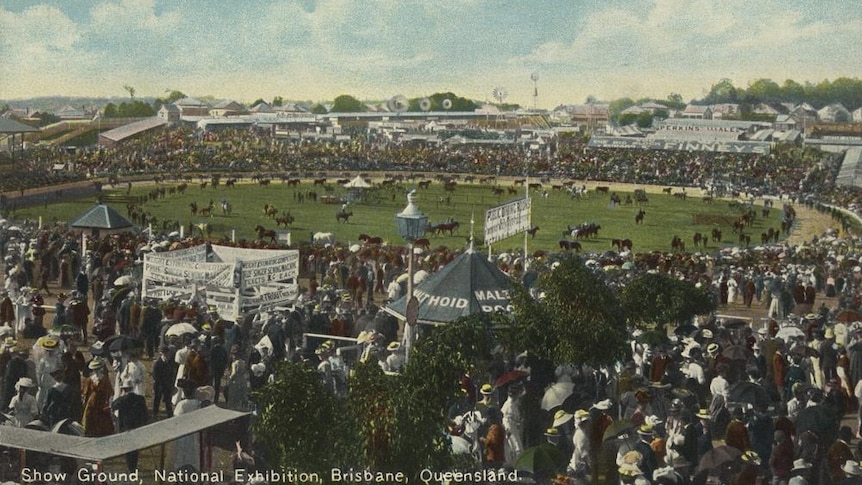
[513,423]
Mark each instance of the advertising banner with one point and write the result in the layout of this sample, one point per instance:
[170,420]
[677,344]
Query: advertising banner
[680,145]
[507,220]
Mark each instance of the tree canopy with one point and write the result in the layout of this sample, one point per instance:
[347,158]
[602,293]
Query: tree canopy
[347,104]
[654,298]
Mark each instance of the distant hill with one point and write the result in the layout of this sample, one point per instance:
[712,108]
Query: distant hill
[52,104]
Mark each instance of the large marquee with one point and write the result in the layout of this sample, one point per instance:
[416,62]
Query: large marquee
[232,280]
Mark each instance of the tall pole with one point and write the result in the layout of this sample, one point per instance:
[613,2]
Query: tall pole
[529,213]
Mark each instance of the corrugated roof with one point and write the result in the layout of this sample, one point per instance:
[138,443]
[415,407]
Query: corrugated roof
[12,126]
[122,132]
[104,448]
[102,217]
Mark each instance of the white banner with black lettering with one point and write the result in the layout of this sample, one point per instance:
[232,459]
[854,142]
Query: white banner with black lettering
[507,220]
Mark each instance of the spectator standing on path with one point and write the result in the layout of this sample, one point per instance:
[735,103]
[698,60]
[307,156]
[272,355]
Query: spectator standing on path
[164,373]
[131,412]
[96,393]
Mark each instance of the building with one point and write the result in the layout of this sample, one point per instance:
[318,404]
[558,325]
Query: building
[697,112]
[834,113]
[192,107]
[227,107]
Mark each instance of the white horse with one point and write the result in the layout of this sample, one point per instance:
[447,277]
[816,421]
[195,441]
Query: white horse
[323,238]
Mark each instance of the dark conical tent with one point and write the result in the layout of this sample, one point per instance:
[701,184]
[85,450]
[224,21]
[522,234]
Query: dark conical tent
[102,219]
[468,285]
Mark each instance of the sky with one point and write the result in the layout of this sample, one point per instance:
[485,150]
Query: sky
[316,50]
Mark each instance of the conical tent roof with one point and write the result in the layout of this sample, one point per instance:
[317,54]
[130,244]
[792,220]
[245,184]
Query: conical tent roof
[357,183]
[101,217]
[468,285]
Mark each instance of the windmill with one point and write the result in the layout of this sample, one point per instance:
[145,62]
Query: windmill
[535,78]
[499,93]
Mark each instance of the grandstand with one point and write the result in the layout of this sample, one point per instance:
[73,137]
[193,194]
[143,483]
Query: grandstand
[851,168]
[126,132]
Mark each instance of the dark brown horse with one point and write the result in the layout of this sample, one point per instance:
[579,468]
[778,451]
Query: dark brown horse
[343,216]
[264,233]
[622,244]
[567,245]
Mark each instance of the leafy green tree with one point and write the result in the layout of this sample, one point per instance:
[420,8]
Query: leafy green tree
[644,119]
[110,110]
[722,92]
[626,119]
[319,109]
[579,320]
[617,106]
[347,104]
[301,425]
[674,101]
[655,299]
[278,101]
[764,91]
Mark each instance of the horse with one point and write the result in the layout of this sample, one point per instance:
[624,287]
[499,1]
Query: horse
[677,244]
[699,239]
[204,185]
[603,189]
[497,191]
[206,211]
[320,182]
[194,208]
[716,235]
[667,190]
[263,233]
[532,231]
[270,210]
[343,216]
[230,182]
[293,183]
[285,219]
[622,244]
[744,238]
[567,245]
[639,217]
[449,186]
[263,182]
[424,184]
[535,185]
[519,182]
[446,226]
[422,243]
[323,238]
[512,191]
[226,208]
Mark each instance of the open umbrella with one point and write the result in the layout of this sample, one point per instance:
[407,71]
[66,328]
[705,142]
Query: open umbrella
[847,316]
[510,376]
[789,332]
[180,329]
[125,280]
[684,330]
[557,394]
[749,392]
[818,419]
[805,351]
[735,352]
[122,343]
[731,324]
[617,428]
[718,457]
[542,458]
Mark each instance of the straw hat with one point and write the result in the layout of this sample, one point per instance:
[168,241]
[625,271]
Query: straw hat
[800,464]
[486,389]
[49,343]
[851,467]
[751,457]
[24,382]
[703,414]
[96,363]
[562,417]
[552,433]
[603,405]
[581,415]
[646,430]
[393,346]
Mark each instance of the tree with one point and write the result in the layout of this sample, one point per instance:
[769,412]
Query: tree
[617,106]
[764,91]
[347,104]
[644,119]
[130,89]
[579,320]
[655,299]
[110,110]
[301,425]
[674,101]
[722,92]
[278,101]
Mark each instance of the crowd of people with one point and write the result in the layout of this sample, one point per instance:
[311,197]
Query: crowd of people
[770,393]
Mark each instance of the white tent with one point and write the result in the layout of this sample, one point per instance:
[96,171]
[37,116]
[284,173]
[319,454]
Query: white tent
[357,183]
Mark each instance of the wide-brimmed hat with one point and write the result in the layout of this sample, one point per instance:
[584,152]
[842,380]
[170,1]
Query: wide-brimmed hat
[646,430]
[712,348]
[96,363]
[393,346]
[552,433]
[49,343]
[603,405]
[581,415]
[751,457]
[800,464]
[851,467]
[562,417]
[25,382]
[487,389]
[703,414]
[706,333]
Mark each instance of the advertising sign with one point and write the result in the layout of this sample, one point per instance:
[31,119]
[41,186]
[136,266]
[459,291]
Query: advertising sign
[507,220]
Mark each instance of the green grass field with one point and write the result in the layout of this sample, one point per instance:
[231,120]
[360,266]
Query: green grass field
[666,216]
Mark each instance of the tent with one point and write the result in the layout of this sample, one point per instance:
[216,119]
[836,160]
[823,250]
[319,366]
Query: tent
[468,285]
[357,183]
[100,220]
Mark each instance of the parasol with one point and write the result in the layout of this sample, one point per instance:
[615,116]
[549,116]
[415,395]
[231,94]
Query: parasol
[542,458]
[787,333]
[557,394]
[510,376]
[122,343]
[818,419]
[617,428]
[735,352]
[180,329]
[847,316]
[749,392]
[718,457]
[125,280]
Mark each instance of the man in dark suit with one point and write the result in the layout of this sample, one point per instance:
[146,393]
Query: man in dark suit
[649,462]
[131,411]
